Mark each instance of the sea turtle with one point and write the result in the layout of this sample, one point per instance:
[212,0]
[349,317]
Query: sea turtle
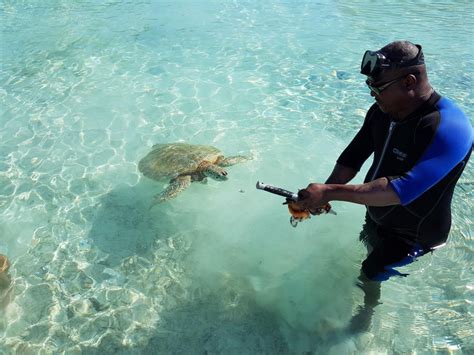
[182,163]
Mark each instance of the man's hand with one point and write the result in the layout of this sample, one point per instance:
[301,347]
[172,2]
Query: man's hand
[311,199]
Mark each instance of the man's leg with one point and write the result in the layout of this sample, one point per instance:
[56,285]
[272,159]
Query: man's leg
[383,250]
[360,322]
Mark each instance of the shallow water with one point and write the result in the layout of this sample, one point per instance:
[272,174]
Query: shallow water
[88,87]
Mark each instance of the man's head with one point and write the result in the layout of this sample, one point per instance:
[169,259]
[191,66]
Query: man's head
[396,76]
[396,55]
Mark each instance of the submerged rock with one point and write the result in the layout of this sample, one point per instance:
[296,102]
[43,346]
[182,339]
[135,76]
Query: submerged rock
[5,279]
[5,290]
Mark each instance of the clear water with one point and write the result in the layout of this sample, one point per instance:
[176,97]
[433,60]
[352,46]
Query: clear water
[87,87]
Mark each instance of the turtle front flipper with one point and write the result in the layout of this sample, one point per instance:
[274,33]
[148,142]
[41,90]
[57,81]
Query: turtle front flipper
[175,186]
[223,161]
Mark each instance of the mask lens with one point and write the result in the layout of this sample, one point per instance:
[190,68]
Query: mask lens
[369,62]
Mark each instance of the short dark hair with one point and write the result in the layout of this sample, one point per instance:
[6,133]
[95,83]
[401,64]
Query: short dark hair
[400,51]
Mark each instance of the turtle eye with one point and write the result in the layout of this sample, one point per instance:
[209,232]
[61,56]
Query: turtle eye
[223,175]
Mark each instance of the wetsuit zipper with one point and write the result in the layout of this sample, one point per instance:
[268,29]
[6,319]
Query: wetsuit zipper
[390,130]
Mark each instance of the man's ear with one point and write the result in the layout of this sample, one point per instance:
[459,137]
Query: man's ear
[410,81]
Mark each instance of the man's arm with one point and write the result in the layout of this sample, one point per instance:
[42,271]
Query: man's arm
[375,193]
[341,174]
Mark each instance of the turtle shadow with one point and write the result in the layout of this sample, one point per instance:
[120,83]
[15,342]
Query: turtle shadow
[125,226]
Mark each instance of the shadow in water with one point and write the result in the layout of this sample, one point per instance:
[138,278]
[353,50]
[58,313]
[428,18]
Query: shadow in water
[124,225]
[223,322]
[174,306]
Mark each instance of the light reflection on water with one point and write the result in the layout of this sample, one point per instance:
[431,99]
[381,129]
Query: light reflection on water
[87,90]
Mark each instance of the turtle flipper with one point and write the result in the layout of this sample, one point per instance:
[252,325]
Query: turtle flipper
[175,186]
[223,161]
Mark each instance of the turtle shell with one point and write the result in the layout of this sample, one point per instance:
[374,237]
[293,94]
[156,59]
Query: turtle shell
[166,161]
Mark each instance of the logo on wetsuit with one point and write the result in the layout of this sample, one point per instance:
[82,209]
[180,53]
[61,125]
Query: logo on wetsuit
[400,155]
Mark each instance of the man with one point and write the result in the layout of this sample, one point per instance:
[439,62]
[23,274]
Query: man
[421,143]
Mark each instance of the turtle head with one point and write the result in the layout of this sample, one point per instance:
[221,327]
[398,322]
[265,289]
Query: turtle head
[214,172]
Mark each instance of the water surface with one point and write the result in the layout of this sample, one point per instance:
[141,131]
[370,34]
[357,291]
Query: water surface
[87,88]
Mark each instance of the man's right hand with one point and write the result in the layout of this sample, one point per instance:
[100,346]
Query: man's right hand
[312,198]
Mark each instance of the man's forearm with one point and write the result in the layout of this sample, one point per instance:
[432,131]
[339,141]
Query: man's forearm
[375,193]
[341,175]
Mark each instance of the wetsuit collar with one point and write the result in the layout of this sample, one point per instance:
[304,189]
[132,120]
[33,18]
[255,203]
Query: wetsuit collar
[424,108]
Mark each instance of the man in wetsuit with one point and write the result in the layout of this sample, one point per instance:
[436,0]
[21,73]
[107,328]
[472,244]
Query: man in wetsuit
[421,143]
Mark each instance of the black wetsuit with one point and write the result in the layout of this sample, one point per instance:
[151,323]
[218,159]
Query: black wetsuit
[423,156]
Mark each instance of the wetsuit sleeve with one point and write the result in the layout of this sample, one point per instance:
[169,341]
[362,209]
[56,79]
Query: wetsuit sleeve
[361,146]
[450,144]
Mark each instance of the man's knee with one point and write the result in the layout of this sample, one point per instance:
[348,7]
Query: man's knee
[370,270]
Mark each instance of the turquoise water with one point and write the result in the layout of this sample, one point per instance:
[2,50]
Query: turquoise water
[87,87]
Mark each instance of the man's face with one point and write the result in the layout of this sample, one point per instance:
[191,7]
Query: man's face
[389,91]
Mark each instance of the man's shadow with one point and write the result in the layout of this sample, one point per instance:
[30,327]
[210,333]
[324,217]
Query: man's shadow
[225,320]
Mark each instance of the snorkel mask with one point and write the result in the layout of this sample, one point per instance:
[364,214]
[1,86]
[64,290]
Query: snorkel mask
[374,62]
